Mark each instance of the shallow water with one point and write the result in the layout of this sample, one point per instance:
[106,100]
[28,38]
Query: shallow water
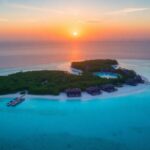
[118,123]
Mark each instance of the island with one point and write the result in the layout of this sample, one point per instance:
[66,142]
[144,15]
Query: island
[88,79]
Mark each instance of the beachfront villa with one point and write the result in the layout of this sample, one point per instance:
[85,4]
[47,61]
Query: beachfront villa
[93,90]
[75,92]
[108,88]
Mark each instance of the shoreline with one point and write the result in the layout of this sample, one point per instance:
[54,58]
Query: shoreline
[123,91]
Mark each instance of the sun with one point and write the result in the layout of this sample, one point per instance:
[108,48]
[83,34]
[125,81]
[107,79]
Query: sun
[75,34]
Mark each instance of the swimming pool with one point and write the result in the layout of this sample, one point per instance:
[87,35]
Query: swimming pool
[107,75]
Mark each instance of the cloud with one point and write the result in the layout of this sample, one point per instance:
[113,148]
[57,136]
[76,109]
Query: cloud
[130,10]
[126,11]
[117,12]
[40,9]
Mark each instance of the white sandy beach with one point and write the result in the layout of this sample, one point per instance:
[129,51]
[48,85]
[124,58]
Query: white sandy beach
[123,91]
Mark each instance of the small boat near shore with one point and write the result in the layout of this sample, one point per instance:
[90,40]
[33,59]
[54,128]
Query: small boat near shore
[16,101]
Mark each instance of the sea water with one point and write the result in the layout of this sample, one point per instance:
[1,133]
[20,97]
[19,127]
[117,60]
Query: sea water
[30,54]
[117,123]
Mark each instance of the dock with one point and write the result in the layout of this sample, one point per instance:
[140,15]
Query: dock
[16,101]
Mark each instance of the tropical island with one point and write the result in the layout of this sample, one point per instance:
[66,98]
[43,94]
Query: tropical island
[88,79]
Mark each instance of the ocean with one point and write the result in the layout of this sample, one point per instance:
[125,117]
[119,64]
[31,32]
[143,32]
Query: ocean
[28,54]
[117,123]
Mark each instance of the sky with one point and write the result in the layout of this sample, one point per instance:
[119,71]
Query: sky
[84,20]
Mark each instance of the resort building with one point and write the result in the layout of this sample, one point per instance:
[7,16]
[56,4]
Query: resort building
[93,91]
[76,92]
[108,88]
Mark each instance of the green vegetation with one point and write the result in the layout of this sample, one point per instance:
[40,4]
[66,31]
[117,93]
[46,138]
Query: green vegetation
[54,82]
[95,65]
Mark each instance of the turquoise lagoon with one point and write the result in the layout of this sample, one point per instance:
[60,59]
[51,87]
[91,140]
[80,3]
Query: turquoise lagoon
[117,123]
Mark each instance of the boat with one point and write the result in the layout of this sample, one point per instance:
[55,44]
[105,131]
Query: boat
[16,101]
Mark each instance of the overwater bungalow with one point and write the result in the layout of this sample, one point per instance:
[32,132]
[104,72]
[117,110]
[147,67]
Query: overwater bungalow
[93,91]
[75,92]
[108,88]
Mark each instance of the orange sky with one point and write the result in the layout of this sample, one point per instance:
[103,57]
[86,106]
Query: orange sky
[21,21]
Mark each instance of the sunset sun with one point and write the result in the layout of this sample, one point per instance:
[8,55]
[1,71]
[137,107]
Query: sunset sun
[75,34]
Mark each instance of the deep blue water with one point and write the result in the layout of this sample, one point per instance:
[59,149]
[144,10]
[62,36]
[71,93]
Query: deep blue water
[119,123]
